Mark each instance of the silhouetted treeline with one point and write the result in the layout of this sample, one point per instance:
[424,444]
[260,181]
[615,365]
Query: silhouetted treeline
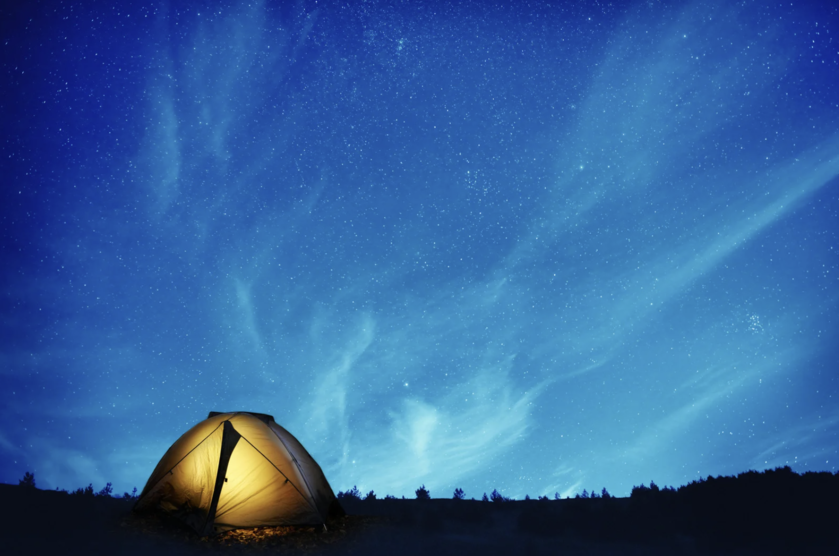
[777,510]
[423,493]
[771,512]
[28,481]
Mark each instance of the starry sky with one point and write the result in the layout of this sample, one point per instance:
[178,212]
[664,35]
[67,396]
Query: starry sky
[530,248]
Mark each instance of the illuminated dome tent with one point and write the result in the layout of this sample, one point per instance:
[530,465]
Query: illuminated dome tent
[237,470]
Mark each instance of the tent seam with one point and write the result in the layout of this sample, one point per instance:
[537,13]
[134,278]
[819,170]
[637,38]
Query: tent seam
[180,460]
[303,475]
[283,474]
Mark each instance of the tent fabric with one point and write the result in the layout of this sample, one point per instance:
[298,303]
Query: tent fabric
[238,470]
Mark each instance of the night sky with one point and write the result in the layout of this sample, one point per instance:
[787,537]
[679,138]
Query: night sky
[535,249]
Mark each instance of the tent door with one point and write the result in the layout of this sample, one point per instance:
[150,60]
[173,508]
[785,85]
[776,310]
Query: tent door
[229,440]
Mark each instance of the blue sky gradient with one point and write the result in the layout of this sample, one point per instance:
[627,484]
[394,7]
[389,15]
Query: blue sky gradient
[538,249]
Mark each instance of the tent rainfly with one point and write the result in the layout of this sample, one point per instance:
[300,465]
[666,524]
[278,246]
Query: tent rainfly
[238,470]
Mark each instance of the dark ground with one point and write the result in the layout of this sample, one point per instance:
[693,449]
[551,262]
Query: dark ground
[48,522]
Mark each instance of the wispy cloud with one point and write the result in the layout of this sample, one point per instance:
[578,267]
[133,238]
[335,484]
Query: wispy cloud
[248,323]
[660,281]
[801,444]
[66,467]
[437,442]
[328,409]
[708,388]
[7,445]
[160,154]
[569,480]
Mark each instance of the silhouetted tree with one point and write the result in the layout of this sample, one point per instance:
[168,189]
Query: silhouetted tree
[28,480]
[605,493]
[86,491]
[352,494]
[527,497]
[485,499]
[557,496]
[106,490]
[422,493]
[132,496]
[390,497]
[585,494]
[497,497]
[370,496]
[545,497]
[458,494]
[654,487]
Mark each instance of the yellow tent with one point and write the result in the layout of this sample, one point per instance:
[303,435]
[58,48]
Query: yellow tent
[237,470]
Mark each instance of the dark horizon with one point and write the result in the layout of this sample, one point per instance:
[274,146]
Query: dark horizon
[773,512]
[352,494]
